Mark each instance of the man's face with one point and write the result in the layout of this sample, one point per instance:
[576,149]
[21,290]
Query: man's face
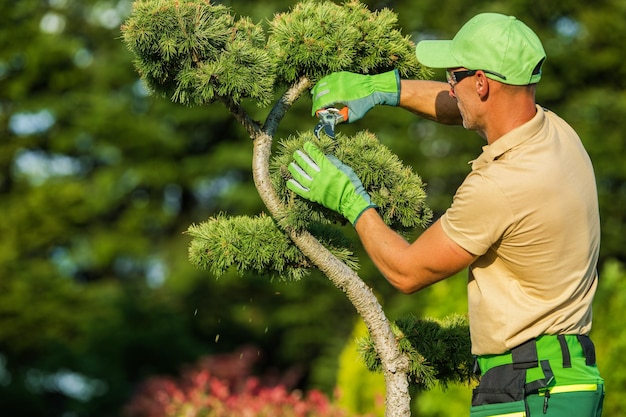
[461,91]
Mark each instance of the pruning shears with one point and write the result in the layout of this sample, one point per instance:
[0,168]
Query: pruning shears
[328,119]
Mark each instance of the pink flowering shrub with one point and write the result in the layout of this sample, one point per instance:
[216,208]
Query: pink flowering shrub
[200,393]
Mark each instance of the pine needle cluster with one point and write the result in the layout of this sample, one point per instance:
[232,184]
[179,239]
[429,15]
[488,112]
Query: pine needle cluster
[194,52]
[439,351]
[256,244]
[316,38]
[394,188]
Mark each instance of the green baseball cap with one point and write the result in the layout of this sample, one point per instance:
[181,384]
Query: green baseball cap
[502,46]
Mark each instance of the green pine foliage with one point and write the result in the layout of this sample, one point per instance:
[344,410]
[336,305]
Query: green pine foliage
[195,52]
[394,187]
[316,38]
[439,351]
[256,244]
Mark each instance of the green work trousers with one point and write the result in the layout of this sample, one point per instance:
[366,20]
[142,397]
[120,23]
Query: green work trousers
[551,376]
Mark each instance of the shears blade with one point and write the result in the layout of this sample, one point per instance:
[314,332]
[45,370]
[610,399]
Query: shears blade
[328,119]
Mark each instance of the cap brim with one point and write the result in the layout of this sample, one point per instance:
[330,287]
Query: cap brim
[436,54]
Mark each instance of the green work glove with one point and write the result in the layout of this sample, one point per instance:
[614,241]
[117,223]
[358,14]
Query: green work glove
[360,93]
[326,180]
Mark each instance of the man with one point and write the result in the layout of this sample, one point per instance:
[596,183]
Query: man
[525,220]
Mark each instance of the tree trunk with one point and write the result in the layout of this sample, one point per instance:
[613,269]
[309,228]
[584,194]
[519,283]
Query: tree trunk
[395,364]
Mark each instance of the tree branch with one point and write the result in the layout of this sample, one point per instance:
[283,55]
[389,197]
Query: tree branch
[239,113]
[284,104]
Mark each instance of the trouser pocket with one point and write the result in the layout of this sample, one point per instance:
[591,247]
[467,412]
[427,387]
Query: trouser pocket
[502,384]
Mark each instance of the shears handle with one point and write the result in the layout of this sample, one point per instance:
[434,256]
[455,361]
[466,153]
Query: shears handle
[341,114]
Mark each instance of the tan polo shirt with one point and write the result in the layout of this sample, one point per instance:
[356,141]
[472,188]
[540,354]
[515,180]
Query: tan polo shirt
[529,210]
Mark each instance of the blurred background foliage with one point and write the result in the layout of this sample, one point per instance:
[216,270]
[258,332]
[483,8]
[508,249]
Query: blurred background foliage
[98,182]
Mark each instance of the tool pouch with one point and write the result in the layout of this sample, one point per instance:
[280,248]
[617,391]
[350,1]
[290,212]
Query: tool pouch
[501,384]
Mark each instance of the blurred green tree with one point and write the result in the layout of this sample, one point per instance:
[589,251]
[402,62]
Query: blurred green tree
[98,181]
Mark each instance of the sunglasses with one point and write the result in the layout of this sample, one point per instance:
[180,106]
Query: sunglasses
[455,77]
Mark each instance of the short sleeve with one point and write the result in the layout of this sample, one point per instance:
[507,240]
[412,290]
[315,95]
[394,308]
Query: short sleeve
[479,215]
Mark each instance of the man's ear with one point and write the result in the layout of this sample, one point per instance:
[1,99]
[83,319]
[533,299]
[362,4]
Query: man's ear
[482,85]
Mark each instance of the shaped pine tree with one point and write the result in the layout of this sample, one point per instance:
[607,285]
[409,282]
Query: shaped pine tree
[197,53]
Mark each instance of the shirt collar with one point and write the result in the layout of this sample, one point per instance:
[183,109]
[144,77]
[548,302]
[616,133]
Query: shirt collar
[512,139]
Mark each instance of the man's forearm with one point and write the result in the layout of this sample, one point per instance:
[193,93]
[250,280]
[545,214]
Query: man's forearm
[430,99]
[411,266]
